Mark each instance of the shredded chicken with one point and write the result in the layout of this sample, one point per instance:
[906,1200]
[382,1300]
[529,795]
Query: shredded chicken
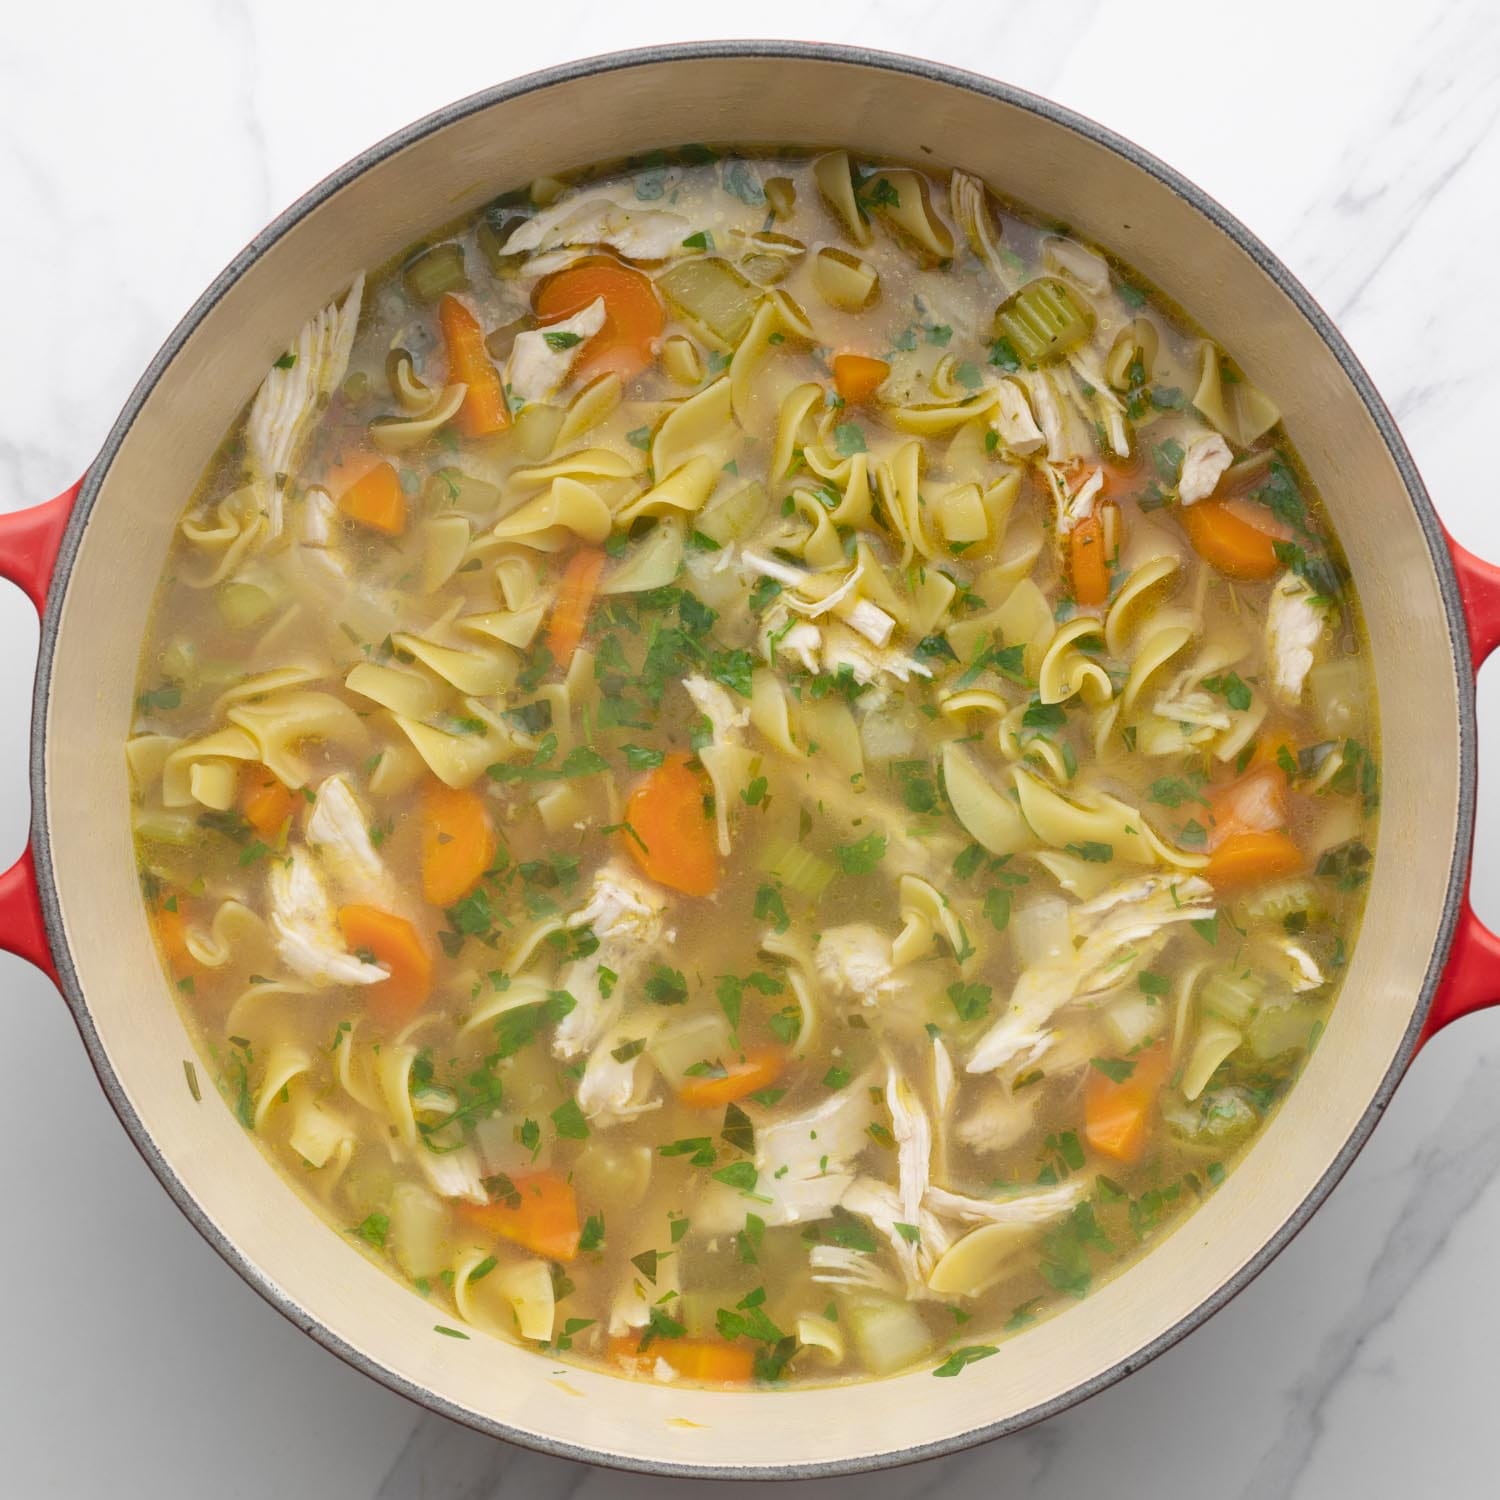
[886,1209]
[611,1090]
[803,1164]
[1023,1208]
[1014,421]
[540,358]
[626,914]
[1294,627]
[339,832]
[999,1121]
[292,398]
[854,962]
[726,716]
[307,936]
[453,1174]
[1122,930]
[637,233]
[1203,465]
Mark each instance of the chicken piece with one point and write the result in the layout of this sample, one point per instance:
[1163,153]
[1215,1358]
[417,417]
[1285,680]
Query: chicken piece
[882,1205]
[1000,1120]
[453,1174]
[854,962]
[318,512]
[292,398]
[339,833]
[1023,1208]
[540,358]
[307,936]
[637,233]
[804,1165]
[1294,629]
[626,913]
[1079,505]
[611,1090]
[842,647]
[1014,422]
[722,712]
[1122,931]
[1203,465]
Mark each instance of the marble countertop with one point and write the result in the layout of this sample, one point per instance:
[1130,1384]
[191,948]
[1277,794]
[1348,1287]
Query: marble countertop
[140,147]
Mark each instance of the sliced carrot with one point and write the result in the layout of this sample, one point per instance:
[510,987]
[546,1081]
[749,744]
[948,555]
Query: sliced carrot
[633,316]
[1223,537]
[541,1215]
[1117,1116]
[264,801]
[458,842]
[712,1361]
[376,500]
[856,377]
[1087,565]
[757,1069]
[675,842]
[395,946]
[171,936]
[1250,858]
[484,410]
[1254,803]
[574,598]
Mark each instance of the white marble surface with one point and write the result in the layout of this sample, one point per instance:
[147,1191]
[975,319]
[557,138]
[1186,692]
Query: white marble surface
[140,146]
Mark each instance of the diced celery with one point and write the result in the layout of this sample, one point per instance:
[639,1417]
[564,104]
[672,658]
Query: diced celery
[452,489]
[435,271]
[493,234]
[888,1336]
[1275,903]
[797,867]
[781,196]
[1044,321]
[244,602]
[537,426]
[711,292]
[162,827]
[612,1172]
[1232,995]
[1281,1029]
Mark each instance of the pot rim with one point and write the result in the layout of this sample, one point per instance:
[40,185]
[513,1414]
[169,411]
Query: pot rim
[768,50]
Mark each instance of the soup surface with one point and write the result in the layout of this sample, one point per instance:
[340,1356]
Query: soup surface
[754,768]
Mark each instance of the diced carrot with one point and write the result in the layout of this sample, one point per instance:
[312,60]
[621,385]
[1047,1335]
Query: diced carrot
[376,500]
[1117,1116]
[1222,536]
[458,842]
[708,1360]
[171,935]
[633,316]
[264,801]
[1250,858]
[1088,567]
[856,377]
[1254,803]
[575,597]
[395,945]
[757,1069]
[484,410]
[674,840]
[712,1361]
[544,1220]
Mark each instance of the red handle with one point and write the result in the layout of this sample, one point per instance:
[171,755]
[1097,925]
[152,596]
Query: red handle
[29,540]
[1472,979]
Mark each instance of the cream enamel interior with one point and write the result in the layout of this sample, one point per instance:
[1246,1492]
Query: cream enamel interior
[451,170]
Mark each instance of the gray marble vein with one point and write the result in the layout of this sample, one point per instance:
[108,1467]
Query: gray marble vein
[140,147]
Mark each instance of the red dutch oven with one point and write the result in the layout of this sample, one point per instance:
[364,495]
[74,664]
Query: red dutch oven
[90,560]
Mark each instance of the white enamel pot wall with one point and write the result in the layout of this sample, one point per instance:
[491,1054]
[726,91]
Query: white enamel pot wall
[90,560]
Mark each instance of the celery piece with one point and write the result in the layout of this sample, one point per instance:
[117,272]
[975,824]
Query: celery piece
[797,868]
[1232,996]
[712,293]
[888,1335]
[435,271]
[243,604]
[1044,321]
[162,827]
